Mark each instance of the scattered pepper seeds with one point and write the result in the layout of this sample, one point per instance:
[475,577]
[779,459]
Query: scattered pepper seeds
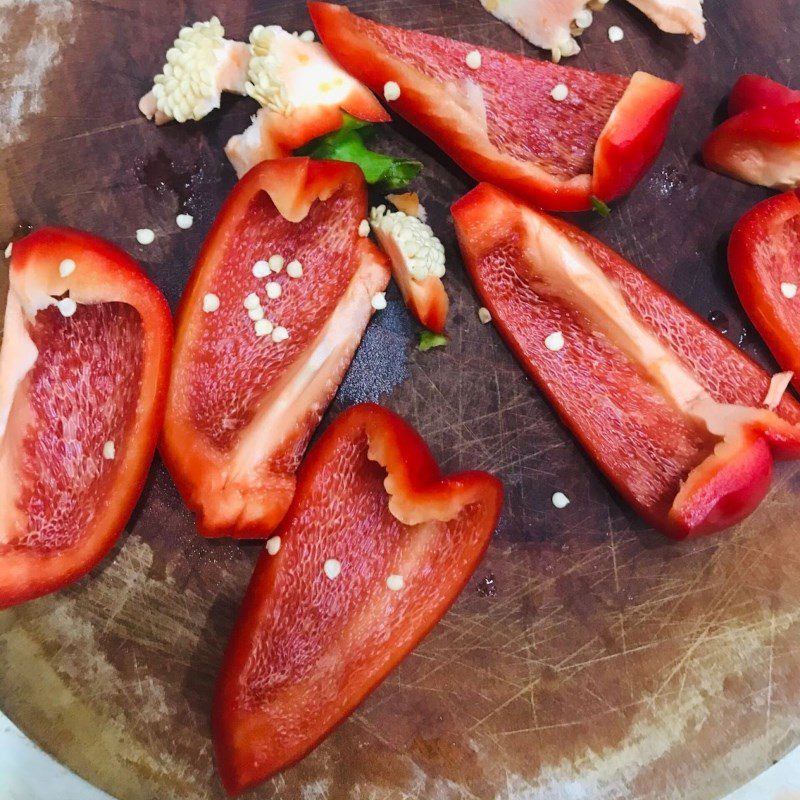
[251,301]
[261,269]
[363,228]
[256,313]
[788,290]
[184,221]
[145,236]
[276,262]
[484,315]
[615,34]
[559,92]
[560,500]
[263,327]
[109,451]
[279,334]
[394,583]
[67,306]
[379,301]
[273,290]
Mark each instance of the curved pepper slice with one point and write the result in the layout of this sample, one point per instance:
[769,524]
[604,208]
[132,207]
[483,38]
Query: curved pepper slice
[313,639]
[84,365]
[303,93]
[254,371]
[760,146]
[666,406]
[764,260]
[499,122]
[754,91]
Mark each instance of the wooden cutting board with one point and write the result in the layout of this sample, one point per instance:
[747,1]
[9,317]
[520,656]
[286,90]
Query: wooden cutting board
[589,657]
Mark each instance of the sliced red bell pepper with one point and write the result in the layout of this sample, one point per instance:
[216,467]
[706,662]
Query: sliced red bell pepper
[242,405]
[84,365]
[667,407]
[764,260]
[755,91]
[313,640]
[760,142]
[499,122]
[313,93]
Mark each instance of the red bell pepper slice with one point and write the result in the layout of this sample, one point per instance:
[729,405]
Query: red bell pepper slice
[760,142]
[499,122]
[763,256]
[307,649]
[666,406]
[755,91]
[243,406]
[83,381]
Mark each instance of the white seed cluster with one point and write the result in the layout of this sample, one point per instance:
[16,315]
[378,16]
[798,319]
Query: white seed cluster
[422,251]
[186,89]
[583,19]
[263,73]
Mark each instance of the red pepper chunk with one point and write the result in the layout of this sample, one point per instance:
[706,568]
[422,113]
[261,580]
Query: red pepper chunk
[499,122]
[243,406]
[84,366]
[763,255]
[667,407]
[760,142]
[307,649]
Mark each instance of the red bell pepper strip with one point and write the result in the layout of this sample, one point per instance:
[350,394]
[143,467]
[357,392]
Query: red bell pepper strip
[308,647]
[499,122]
[666,406]
[760,142]
[83,381]
[755,91]
[242,405]
[764,260]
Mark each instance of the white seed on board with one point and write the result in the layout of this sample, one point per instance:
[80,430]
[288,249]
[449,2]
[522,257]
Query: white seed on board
[560,500]
[484,315]
[184,221]
[615,34]
[145,236]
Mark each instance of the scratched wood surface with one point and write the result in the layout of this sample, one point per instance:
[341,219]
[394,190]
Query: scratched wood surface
[588,658]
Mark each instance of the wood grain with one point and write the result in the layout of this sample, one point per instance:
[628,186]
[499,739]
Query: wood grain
[607,663]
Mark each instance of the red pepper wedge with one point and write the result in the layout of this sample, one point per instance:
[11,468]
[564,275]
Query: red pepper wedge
[83,382]
[754,91]
[667,407]
[759,146]
[307,648]
[763,255]
[499,122]
[242,406]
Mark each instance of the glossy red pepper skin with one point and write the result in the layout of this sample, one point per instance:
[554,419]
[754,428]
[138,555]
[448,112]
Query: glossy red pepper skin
[754,91]
[306,649]
[241,406]
[611,129]
[763,253]
[654,452]
[760,142]
[69,385]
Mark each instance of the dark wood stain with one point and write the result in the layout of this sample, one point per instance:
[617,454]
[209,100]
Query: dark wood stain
[588,655]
